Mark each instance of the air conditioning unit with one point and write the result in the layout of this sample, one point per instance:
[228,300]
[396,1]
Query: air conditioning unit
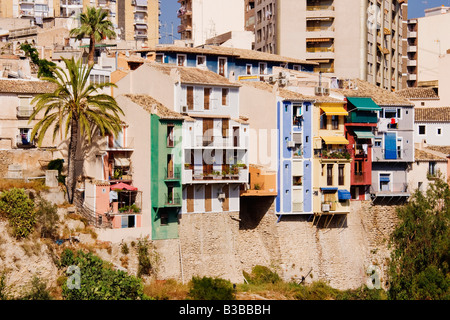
[221,196]
[282,82]
[270,79]
[291,144]
[326,91]
[325,207]
[318,91]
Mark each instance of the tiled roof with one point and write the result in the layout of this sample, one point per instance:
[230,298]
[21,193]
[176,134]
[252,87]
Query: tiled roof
[289,94]
[192,75]
[418,93]
[234,52]
[423,155]
[147,103]
[26,86]
[432,114]
[380,96]
[442,149]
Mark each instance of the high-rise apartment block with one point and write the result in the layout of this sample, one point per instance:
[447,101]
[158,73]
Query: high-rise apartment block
[348,38]
[204,19]
[134,20]
[426,44]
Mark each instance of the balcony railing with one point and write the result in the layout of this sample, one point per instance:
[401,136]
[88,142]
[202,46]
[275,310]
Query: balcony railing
[297,207]
[216,141]
[172,199]
[24,112]
[319,49]
[174,174]
[24,143]
[319,7]
[333,154]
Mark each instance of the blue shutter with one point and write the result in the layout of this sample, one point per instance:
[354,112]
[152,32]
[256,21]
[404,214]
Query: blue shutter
[390,146]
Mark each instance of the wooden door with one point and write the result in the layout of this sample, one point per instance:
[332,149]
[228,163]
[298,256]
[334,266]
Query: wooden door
[190,198]
[207,95]
[225,203]
[190,98]
[208,204]
[222,63]
[236,136]
[208,125]
[169,166]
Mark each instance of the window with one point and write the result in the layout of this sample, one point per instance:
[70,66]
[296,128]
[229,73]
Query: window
[323,121]
[341,174]
[296,67]
[201,61]
[164,218]
[248,69]
[24,136]
[439,131]
[190,98]
[390,113]
[329,174]
[432,168]
[358,167]
[159,58]
[225,96]
[297,181]
[222,66]
[378,142]
[399,148]
[170,139]
[385,179]
[262,68]
[181,60]
[128,221]
[335,122]
[422,130]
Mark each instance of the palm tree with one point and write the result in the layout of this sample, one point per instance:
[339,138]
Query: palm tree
[76,106]
[95,26]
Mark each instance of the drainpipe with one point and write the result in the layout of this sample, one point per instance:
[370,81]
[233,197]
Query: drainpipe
[363,46]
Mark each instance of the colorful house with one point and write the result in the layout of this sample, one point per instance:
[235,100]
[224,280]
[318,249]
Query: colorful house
[361,122]
[332,161]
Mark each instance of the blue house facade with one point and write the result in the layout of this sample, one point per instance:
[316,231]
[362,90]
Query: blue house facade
[295,153]
[240,63]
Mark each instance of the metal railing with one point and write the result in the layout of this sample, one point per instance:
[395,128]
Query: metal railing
[172,200]
[174,174]
[89,214]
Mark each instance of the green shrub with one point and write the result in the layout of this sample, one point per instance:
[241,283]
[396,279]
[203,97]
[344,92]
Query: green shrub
[38,290]
[47,218]
[261,275]
[207,288]
[144,264]
[20,211]
[98,281]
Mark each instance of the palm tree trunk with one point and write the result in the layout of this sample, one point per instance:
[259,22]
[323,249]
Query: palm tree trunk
[91,50]
[71,178]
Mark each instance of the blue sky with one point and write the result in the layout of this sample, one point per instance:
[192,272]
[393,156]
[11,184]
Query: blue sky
[169,15]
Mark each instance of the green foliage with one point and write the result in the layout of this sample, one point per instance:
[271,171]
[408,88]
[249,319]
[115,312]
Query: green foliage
[57,164]
[20,211]
[99,281]
[207,288]
[419,267]
[3,294]
[47,218]
[262,274]
[38,290]
[124,248]
[144,264]
[45,67]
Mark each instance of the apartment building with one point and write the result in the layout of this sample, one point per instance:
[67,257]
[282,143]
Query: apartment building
[427,43]
[348,38]
[204,19]
[34,10]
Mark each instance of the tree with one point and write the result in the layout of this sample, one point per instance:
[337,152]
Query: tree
[419,267]
[95,26]
[76,106]
[45,67]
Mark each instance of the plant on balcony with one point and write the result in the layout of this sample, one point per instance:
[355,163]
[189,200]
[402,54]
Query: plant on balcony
[118,173]
[130,209]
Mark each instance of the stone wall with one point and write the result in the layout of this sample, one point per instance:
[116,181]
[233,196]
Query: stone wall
[336,249]
[28,159]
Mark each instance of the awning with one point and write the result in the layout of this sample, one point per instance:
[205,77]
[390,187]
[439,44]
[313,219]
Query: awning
[318,40]
[123,186]
[329,189]
[142,3]
[384,179]
[364,134]
[364,104]
[141,26]
[334,111]
[344,195]
[334,140]
[121,162]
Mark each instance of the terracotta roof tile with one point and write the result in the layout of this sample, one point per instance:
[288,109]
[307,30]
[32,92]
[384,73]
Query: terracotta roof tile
[147,103]
[423,155]
[432,114]
[193,75]
[25,86]
[380,96]
[418,93]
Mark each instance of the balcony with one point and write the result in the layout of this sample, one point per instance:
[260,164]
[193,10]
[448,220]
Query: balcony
[412,77]
[67,3]
[333,154]
[183,28]
[24,112]
[319,11]
[412,48]
[217,142]
[172,200]
[121,144]
[411,63]
[140,34]
[24,143]
[139,9]
[174,174]
[362,117]
[412,34]
[234,174]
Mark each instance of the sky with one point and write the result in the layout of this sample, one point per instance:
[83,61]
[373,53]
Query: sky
[169,18]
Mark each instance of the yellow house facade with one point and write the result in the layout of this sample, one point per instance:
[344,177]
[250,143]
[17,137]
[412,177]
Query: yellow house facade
[331,178]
